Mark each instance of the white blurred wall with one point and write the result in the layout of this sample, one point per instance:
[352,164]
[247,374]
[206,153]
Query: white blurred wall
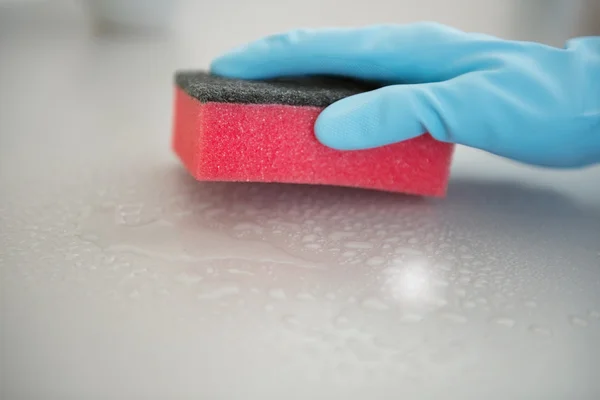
[216,24]
[554,21]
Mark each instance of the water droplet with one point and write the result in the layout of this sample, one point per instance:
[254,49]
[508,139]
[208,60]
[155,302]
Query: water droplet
[361,350]
[309,238]
[246,226]
[210,270]
[461,293]
[436,282]
[89,237]
[595,314]
[408,251]
[335,236]
[212,213]
[219,293]
[411,318]
[540,330]
[305,296]
[278,294]
[349,254]
[445,267]
[456,318]
[358,245]
[269,307]
[236,271]
[400,358]
[530,304]
[437,302]
[480,284]
[344,368]
[188,279]
[469,304]
[508,322]
[578,321]
[176,240]
[375,304]
[312,246]
[290,321]
[341,321]
[330,296]
[374,261]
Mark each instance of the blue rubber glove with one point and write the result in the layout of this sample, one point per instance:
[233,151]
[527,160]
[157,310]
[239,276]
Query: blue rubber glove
[525,101]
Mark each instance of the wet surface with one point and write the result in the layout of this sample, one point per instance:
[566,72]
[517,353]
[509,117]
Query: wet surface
[122,277]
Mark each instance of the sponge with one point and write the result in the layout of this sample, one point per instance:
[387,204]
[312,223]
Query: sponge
[263,131]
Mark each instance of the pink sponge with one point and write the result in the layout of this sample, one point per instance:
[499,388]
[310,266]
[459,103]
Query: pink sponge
[231,130]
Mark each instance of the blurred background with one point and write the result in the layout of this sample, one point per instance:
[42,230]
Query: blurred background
[208,27]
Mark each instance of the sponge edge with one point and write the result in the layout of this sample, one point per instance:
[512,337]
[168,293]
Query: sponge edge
[316,91]
[255,141]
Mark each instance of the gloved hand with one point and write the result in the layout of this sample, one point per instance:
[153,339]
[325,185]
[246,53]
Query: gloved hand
[526,101]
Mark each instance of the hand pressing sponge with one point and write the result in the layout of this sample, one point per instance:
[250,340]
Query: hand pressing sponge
[263,131]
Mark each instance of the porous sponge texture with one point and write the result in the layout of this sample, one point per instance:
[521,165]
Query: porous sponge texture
[227,137]
[315,91]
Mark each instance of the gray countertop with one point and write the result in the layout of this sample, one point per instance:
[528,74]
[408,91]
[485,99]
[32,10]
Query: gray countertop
[123,278]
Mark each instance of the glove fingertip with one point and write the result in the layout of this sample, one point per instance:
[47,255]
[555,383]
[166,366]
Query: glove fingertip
[342,128]
[326,132]
[372,119]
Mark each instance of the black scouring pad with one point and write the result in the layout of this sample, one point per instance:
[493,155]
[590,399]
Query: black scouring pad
[317,91]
